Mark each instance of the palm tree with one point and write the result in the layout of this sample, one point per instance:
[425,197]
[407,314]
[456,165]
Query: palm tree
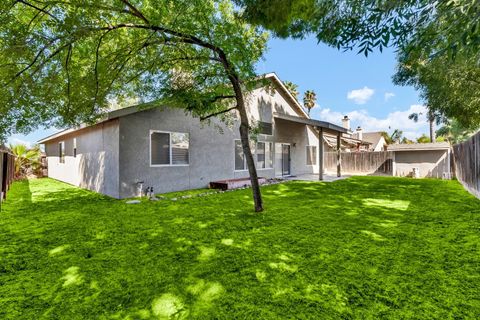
[309,100]
[292,88]
[396,136]
[433,119]
[25,159]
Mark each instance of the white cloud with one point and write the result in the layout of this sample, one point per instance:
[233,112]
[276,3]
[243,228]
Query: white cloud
[360,96]
[389,95]
[14,140]
[394,120]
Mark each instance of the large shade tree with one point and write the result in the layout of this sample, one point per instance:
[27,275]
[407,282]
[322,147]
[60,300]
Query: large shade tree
[62,61]
[438,41]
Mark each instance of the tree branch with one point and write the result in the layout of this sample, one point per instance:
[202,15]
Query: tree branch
[38,9]
[219,112]
[135,11]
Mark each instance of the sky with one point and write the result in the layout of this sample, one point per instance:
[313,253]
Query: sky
[346,83]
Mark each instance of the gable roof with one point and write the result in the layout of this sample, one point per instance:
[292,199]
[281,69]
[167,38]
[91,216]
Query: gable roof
[150,105]
[419,146]
[372,137]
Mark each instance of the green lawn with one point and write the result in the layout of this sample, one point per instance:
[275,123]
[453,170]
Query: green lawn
[362,248]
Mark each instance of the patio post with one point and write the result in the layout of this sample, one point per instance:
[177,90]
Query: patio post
[320,154]
[339,160]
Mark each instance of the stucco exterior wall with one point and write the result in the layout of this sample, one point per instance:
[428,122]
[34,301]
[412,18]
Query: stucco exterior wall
[432,163]
[114,157]
[96,165]
[211,147]
[211,152]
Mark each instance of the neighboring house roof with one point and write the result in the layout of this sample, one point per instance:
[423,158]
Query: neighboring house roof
[350,142]
[141,107]
[372,137]
[419,146]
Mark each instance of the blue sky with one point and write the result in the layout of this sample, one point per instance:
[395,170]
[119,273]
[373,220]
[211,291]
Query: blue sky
[346,83]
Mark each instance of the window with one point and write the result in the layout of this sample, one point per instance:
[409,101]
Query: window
[261,155]
[169,148]
[240,161]
[262,151]
[311,155]
[269,152]
[74,147]
[266,128]
[61,152]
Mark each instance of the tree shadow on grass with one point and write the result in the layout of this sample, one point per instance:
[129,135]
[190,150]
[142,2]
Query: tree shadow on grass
[353,248]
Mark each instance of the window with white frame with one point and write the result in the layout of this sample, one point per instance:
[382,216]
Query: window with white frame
[169,148]
[61,152]
[311,155]
[269,152]
[74,147]
[261,163]
[263,154]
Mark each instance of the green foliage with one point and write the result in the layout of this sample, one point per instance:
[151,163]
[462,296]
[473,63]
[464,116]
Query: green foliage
[438,41]
[405,140]
[63,61]
[292,88]
[395,248]
[423,139]
[449,87]
[309,100]
[453,132]
[27,160]
[448,26]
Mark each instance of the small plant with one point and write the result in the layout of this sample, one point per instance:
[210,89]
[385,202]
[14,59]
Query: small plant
[27,160]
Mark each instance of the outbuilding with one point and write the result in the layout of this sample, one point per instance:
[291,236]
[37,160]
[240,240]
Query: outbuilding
[422,160]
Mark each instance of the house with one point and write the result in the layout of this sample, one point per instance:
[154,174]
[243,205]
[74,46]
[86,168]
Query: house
[422,160]
[350,141]
[376,139]
[170,150]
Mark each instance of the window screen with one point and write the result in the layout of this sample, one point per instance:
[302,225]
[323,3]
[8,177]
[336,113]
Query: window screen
[180,145]
[311,155]
[265,128]
[160,148]
[61,152]
[260,155]
[239,156]
[269,155]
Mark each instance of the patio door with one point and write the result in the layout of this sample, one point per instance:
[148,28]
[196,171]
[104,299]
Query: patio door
[285,159]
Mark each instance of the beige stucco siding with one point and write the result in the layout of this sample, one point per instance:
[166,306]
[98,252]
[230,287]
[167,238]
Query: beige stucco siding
[432,163]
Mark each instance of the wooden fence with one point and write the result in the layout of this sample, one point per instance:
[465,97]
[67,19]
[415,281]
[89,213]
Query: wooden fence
[467,168]
[7,171]
[361,162]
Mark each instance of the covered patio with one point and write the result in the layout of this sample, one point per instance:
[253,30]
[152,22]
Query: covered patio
[321,128]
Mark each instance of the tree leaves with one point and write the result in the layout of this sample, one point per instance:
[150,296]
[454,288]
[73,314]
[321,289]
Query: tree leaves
[64,62]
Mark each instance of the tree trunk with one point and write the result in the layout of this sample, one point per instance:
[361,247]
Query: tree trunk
[431,122]
[244,136]
[432,130]
[244,130]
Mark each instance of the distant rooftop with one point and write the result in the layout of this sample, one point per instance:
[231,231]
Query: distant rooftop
[419,146]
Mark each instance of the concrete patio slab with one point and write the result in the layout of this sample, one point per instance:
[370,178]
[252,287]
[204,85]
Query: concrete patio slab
[314,177]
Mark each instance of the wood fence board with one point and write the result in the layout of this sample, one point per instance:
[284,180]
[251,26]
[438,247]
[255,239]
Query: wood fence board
[466,160]
[361,162]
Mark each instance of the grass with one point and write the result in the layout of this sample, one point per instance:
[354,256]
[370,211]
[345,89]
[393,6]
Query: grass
[362,248]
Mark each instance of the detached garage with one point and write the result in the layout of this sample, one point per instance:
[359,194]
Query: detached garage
[421,160]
